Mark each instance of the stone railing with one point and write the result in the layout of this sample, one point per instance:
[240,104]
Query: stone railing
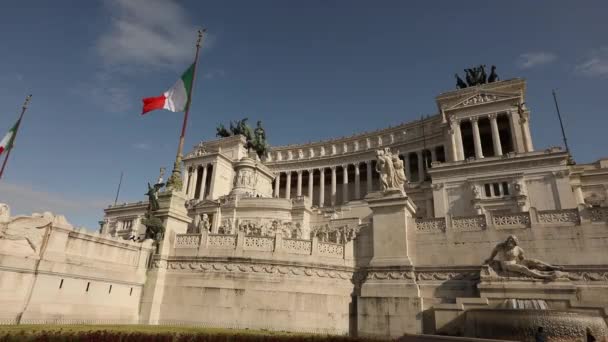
[259,243]
[559,216]
[297,246]
[469,223]
[523,220]
[509,221]
[185,243]
[430,225]
[331,249]
[221,241]
[598,214]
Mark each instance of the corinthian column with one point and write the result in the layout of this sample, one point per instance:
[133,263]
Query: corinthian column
[192,182]
[299,186]
[420,166]
[357,182]
[321,187]
[277,184]
[311,183]
[495,135]
[476,139]
[368,165]
[345,183]
[333,186]
[201,194]
[525,125]
[288,186]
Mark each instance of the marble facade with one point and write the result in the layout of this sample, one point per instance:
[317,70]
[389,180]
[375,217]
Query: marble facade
[306,238]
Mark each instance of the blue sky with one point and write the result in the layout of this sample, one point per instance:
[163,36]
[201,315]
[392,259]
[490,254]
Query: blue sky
[353,65]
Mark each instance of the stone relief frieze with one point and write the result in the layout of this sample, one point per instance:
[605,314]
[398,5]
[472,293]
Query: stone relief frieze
[329,233]
[269,227]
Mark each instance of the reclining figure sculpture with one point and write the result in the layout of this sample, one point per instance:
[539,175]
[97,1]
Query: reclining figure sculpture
[511,259]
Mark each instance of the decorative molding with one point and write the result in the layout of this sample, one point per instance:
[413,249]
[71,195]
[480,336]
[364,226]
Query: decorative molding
[430,225]
[244,268]
[469,223]
[390,275]
[559,216]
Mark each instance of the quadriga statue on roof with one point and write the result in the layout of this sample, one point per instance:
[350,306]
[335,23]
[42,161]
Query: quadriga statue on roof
[255,139]
[511,259]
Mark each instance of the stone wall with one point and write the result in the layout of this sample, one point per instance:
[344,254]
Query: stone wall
[71,276]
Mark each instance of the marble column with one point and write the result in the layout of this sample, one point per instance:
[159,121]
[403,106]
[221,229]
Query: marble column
[193,177]
[321,187]
[495,135]
[345,183]
[201,194]
[433,154]
[408,170]
[299,186]
[277,185]
[357,182]
[458,138]
[369,180]
[288,186]
[476,138]
[578,194]
[516,132]
[333,186]
[311,183]
[420,166]
[525,126]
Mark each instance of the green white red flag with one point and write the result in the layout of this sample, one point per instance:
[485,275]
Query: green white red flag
[7,142]
[175,99]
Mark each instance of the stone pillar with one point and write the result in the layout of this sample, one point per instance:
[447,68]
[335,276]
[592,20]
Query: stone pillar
[459,146]
[345,183]
[476,138]
[578,194]
[525,126]
[174,215]
[321,187]
[357,182]
[516,132]
[299,186]
[288,186]
[369,180]
[495,135]
[333,186]
[408,170]
[192,183]
[420,166]
[311,184]
[433,155]
[277,185]
[201,194]
[390,306]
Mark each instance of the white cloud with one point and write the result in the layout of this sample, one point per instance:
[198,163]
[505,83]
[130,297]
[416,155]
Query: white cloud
[531,59]
[596,64]
[23,200]
[147,33]
[106,91]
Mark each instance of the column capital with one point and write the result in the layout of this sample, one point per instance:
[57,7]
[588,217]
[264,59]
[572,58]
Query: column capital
[474,119]
[299,172]
[333,168]
[310,171]
[492,116]
[345,166]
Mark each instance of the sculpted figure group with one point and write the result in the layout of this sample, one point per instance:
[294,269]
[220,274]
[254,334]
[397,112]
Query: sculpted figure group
[391,170]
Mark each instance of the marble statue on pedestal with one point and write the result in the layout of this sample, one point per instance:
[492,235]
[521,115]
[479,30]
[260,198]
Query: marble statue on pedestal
[511,259]
[391,170]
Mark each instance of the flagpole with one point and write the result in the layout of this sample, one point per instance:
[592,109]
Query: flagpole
[118,190]
[8,153]
[561,124]
[175,181]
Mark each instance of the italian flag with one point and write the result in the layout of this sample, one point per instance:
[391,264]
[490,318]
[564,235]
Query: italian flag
[7,142]
[176,98]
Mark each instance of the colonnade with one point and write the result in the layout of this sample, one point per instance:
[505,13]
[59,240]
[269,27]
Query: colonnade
[197,181]
[519,130]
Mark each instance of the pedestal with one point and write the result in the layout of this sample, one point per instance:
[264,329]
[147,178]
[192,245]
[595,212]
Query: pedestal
[172,211]
[392,214]
[389,305]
